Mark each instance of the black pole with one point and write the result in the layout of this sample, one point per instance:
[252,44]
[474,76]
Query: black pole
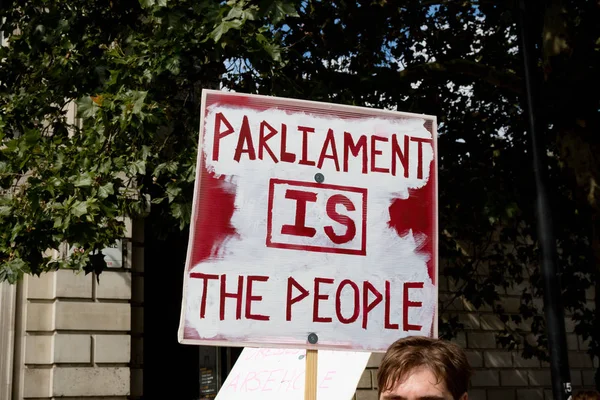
[553,307]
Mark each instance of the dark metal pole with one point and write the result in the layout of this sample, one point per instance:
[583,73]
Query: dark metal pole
[553,307]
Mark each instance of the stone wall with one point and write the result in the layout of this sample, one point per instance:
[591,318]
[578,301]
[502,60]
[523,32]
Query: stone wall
[74,334]
[499,374]
[77,338]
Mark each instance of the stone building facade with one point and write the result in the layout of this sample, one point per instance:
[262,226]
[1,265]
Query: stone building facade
[499,374]
[74,336]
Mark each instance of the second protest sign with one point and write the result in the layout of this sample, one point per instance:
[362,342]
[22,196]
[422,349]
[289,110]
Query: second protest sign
[311,218]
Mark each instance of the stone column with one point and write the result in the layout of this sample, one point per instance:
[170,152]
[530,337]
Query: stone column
[7,334]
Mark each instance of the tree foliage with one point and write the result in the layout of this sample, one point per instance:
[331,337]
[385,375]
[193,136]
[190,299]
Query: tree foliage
[136,71]
[460,61]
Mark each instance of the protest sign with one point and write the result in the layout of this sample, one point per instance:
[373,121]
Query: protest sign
[311,218]
[273,374]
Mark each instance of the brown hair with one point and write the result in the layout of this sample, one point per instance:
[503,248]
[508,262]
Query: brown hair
[587,395]
[446,360]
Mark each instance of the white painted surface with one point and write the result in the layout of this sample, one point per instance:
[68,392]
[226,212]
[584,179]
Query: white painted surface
[316,217]
[114,255]
[389,257]
[276,374]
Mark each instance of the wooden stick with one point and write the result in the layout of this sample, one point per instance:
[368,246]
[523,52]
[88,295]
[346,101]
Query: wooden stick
[310,382]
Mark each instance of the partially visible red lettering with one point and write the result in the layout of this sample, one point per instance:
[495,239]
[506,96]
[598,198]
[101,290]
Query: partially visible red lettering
[387,311]
[375,152]
[235,295]
[406,303]
[402,155]
[284,156]
[318,297]
[250,298]
[262,141]
[252,376]
[292,283]
[349,302]
[355,148]
[326,378]
[299,228]
[284,379]
[233,383]
[388,154]
[305,131]
[332,202]
[269,379]
[218,135]
[420,142]
[205,278]
[368,306]
[245,138]
[329,143]
[298,380]
[338,302]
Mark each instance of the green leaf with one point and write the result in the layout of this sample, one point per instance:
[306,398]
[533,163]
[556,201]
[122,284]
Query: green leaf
[138,167]
[79,208]
[152,3]
[54,181]
[224,27]
[236,12]
[147,3]
[181,212]
[158,200]
[273,50]
[12,270]
[289,9]
[146,150]
[59,222]
[173,191]
[86,107]
[169,166]
[32,136]
[84,180]
[106,190]
[5,211]
[279,9]
[172,65]
[138,99]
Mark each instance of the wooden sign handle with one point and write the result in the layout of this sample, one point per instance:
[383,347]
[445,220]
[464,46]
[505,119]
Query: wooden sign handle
[310,381]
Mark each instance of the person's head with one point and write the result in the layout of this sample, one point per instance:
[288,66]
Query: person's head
[587,395]
[417,368]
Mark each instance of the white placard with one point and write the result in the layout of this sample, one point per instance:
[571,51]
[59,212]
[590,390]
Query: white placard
[311,217]
[267,373]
